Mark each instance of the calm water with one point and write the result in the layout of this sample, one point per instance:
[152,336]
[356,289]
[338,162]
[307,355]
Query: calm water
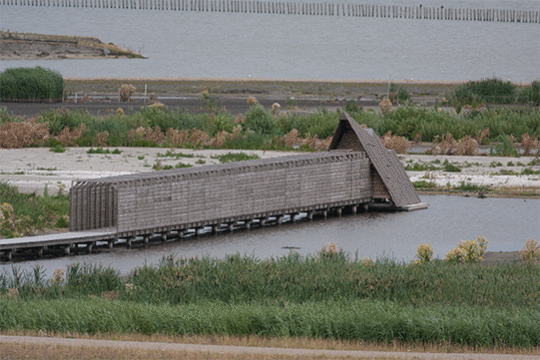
[192,44]
[507,224]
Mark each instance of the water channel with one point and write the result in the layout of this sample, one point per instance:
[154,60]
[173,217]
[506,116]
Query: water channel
[507,224]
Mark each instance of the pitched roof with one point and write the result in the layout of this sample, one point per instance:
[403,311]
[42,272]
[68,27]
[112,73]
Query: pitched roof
[350,134]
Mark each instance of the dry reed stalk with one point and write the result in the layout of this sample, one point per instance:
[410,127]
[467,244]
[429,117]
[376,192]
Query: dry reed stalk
[198,137]
[481,135]
[291,138]
[467,146]
[324,144]
[417,139]
[157,105]
[177,138]
[153,98]
[126,91]
[447,145]
[252,101]
[397,143]
[219,140]
[385,105]
[275,108]
[529,144]
[67,137]
[101,138]
[239,119]
[311,141]
[155,135]
[14,135]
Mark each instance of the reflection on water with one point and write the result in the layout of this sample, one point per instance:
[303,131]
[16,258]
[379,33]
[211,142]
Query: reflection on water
[507,224]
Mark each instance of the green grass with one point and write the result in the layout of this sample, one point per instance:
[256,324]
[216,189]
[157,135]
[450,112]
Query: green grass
[31,83]
[233,157]
[326,295]
[41,211]
[100,150]
[375,321]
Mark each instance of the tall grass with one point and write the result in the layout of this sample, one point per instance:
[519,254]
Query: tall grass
[375,321]
[30,84]
[297,279]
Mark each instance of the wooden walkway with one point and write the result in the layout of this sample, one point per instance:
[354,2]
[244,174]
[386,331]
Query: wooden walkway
[65,240]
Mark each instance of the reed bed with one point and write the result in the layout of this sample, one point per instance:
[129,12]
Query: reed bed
[290,279]
[365,320]
[260,128]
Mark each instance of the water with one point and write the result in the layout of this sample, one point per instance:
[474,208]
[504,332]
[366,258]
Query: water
[507,224]
[272,46]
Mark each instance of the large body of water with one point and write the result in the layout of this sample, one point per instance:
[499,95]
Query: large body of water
[507,224]
[275,46]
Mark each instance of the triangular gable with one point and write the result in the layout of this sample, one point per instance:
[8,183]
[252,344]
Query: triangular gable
[350,135]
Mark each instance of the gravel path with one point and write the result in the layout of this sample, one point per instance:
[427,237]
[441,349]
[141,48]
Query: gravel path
[236,350]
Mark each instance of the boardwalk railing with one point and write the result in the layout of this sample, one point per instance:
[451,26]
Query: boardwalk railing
[290,8]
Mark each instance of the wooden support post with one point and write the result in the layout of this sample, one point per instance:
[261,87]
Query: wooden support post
[111,242]
[90,247]
[146,240]
[248,224]
[128,241]
[164,236]
[310,215]
[9,255]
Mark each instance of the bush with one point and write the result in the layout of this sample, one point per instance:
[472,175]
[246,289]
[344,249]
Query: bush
[492,91]
[259,120]
[31,84]
[468,251]
[530,254]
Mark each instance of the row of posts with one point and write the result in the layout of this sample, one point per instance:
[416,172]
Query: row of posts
[266,7]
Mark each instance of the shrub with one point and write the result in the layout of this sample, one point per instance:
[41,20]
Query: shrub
[530,254]
[466,146]
[259,120]
[424,253]
[31,84]
[126,91]
[397,143]
[493,91]
[468,251]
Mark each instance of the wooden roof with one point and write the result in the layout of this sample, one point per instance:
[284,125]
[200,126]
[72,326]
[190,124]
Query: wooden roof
[349,134]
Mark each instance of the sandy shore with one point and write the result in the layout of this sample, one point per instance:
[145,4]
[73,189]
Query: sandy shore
[34,169]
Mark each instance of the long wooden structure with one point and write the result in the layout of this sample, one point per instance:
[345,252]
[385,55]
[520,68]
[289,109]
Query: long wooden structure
[356,172]
[300,8]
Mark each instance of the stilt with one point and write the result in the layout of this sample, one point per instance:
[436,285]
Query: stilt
[214,228]
[325,213]
[263,222]
[310,215]
[90,247]
[248,224]
[128,241]
[164,236]
[9,255]
[67,249]
[339,211]
[231,226]
[111,242]
[354,209]
[146,240]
